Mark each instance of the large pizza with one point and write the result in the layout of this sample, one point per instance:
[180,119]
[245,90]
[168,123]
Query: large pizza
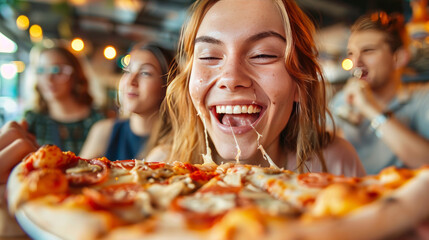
[64,196]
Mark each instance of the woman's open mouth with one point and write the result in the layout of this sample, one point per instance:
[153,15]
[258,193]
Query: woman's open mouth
[237,115]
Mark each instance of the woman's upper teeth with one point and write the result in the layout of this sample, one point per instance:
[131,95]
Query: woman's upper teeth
[237,109]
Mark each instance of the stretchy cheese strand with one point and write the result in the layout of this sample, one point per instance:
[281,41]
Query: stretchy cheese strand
[264,153]
[207,158]
[237,157]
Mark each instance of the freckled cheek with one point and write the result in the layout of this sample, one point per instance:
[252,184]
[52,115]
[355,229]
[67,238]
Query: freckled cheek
[194,89]
[198,85]
[281,94]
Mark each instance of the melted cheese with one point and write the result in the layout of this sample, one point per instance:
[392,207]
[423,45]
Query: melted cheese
[209,203]
[83,166]
[164,194]
[207,158]
[267,202]
[138,166]
[143,202]
[264,153]
[237,157]
[282,185]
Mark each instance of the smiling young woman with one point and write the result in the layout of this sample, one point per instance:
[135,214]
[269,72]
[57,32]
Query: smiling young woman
[141,90]
[249,85]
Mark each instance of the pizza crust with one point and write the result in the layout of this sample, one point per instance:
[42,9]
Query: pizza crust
[163,227]
[74,223]
[62,223]
[401,211]
[16,193]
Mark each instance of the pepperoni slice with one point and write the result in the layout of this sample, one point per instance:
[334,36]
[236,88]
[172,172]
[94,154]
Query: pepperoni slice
[114,195]
[87,172]
[202,176]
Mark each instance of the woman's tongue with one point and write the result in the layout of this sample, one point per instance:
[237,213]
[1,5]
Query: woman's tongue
[237,120]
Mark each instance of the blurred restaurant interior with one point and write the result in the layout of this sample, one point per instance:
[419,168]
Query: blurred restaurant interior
[91,26]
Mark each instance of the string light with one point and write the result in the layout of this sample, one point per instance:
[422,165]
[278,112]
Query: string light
[347,64]
[77,44]
[36,33]
[20,66]
[22,22]
[109,52]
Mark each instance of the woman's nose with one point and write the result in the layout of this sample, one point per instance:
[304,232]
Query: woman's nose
[133,79]
[234,75]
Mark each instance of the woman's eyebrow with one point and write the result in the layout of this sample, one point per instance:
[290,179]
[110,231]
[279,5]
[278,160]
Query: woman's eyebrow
[207,39]
[266,34]
[253,38]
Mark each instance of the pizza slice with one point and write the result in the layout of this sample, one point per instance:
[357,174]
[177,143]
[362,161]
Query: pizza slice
[57,194]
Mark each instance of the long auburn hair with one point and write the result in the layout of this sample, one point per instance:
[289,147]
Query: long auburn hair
[80,86]
[305,133]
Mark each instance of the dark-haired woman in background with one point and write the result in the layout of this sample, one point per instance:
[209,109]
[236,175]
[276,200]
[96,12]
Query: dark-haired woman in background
[63,112]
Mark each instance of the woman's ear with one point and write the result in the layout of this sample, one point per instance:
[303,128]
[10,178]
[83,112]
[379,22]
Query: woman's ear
[401,57]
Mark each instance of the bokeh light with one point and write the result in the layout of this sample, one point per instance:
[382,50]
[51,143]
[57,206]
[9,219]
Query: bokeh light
[20,66]
[347,64]
[36,33]
[77,44]
[109,52]
[8,70]
[126,60]
[22,22]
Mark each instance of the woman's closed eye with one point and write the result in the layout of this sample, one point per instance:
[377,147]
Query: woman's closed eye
[209,58]
[264,58]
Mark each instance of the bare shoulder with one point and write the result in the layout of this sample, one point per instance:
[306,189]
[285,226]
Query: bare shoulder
[340,147]
[342,158]
[101,129]
[97,140]
[159,153]
[102,125]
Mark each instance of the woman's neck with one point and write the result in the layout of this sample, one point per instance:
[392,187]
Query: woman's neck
[68,110]
[142,125]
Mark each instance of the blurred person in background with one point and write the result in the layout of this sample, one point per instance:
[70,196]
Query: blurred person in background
[63,112]
[386,122]
[141,91]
